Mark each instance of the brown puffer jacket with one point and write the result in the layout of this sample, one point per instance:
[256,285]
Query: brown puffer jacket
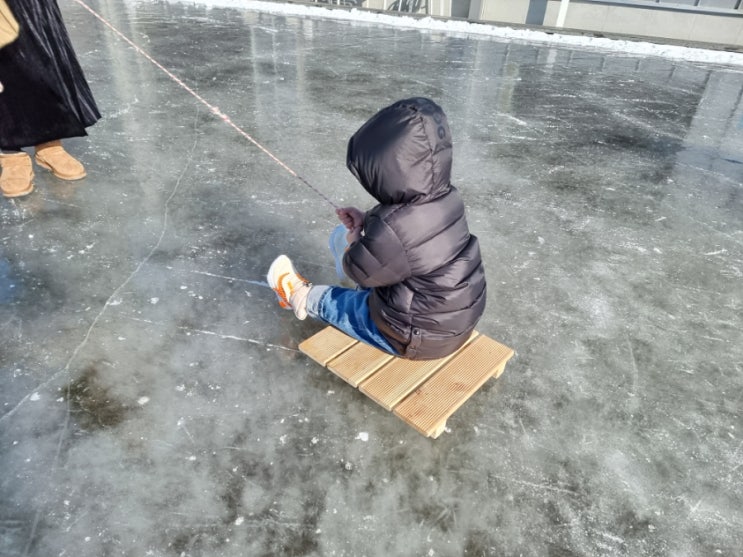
[417,253]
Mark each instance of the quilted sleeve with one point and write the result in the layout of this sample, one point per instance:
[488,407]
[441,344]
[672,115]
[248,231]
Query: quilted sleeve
[378,258]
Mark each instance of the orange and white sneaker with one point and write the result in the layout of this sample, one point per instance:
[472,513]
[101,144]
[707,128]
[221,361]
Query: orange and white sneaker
[291,288]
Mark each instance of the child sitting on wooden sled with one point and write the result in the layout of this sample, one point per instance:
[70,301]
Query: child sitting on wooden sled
[422,285]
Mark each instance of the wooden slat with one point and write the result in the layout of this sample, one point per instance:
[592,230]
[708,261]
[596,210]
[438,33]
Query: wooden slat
[400,377]
[499,370]
[326,345]
[428,408]
[357,363]
[434,389]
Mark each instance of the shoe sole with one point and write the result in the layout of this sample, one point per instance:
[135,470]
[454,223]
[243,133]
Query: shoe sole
[20,193]
[45,166]
[275,287]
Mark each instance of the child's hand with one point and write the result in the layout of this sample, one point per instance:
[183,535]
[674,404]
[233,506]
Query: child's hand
[354,235]
[351,218]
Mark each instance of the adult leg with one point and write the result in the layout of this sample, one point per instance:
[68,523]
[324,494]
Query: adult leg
[46,97]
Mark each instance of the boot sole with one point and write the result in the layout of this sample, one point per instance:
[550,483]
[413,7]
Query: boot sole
[20,193]
[45,166]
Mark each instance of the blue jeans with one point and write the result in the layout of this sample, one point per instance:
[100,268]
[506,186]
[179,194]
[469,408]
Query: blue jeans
[338,244]
[348,311]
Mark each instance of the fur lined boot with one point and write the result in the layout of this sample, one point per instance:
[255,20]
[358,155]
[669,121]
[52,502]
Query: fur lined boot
[17,175]
[53,157]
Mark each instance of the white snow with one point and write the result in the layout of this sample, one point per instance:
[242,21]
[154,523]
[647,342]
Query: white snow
[363,436]
[499,32]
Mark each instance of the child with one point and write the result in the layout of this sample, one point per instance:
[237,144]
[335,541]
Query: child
[422,284]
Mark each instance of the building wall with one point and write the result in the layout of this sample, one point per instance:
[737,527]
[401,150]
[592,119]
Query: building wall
[442,8]
[649,22]
[606,17]
[657,20]
[508,11]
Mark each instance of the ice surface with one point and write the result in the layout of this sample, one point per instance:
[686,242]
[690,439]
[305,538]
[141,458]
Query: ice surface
[153,401]
[458,28]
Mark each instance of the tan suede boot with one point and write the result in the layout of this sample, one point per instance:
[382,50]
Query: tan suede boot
[53,157]
[17,177]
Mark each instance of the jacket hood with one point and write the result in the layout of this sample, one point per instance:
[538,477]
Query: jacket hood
[403,154]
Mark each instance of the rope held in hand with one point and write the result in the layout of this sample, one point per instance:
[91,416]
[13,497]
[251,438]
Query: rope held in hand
[213,109]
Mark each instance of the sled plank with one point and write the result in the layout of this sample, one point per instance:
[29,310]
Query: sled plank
[428,408]
[400,377]
[358,362]
[422,393]
[326,345]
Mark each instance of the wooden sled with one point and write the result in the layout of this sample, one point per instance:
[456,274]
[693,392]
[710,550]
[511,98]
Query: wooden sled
[422,393]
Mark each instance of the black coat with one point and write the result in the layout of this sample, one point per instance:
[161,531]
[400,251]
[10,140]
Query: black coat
[46,96]
[417,254]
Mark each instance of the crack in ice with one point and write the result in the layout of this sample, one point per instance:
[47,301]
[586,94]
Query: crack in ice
[84,342]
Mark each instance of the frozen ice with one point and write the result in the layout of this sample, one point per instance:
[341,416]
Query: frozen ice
[498,31]
[604,185]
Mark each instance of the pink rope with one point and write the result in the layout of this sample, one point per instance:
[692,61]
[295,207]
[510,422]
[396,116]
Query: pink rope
[213,109]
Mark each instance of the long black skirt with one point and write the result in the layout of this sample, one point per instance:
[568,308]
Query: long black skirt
[46,96]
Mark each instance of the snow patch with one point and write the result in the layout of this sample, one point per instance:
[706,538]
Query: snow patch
[638,48]
[363,436]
